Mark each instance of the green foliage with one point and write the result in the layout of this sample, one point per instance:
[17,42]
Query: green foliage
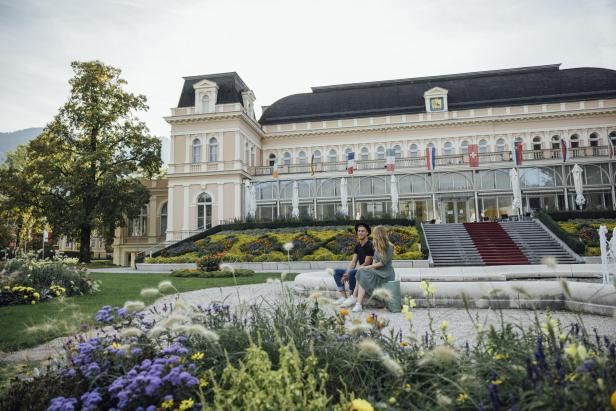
[261,245]
[81,172]
[573,243]
[239,272]
[193,257]
[582,215]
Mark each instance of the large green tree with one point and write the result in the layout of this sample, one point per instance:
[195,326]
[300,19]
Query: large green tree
[83,172]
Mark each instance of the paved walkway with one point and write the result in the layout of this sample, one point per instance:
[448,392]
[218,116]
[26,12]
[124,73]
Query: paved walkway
[460,324]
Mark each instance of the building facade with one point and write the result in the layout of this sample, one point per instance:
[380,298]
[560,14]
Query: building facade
[217,145]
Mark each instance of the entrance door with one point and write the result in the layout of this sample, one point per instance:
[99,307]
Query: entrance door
[454,211]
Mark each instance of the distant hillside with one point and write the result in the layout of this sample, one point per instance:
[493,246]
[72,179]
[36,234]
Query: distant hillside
[10,141]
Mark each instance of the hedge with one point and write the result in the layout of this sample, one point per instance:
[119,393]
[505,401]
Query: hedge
[239,272]
[574,243]
[586,215]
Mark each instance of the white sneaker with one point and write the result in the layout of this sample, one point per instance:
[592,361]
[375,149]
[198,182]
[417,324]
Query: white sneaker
[358,308]
[348,302]
[340,301]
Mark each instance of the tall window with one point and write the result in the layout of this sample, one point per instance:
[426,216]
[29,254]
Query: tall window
[301,157]
[594,140]
[483,146]
[365,154]
[213,150]
[317,156]
[247,154]
[253,156]
[196,151]
[205,104]
[380,153]
[163,219]
[613,138]
[332,156]
[286,158]
[138,226]
[272,160]
[204,211]
[464,147]
[575,141]
[397,151]
[536,143]
[555,142]
[448,149]
[413,150]
[500,144]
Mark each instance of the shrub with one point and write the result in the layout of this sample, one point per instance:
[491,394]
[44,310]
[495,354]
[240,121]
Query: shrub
[211,262]
[409,255]
[181,259]
[574,243]
[273,256]
[180,249]
[323,254]
[590,236]
[261,246]
[584,215]
[239,272]
[593,251]
[403,241]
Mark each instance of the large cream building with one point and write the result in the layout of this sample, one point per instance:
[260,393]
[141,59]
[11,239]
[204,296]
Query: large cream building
[217,144]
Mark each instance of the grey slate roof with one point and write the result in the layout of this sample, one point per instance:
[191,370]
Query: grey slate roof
[518,86]
[230,87]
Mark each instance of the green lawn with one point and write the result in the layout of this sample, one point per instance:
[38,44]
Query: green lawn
[26,326]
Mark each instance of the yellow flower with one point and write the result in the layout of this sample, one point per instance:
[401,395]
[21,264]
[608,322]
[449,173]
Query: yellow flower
[197,356]
[462,398]
[186,404]
[392,400]
[501,356]
[613,400]
[412,303]
[407,387]
[371,319]
[404,343]
[203,382]
[450,339]
[344,312]
[570,377]
[116,346]
[360,405]
[408,316]
[497,381]
[167,404]
[36,295]
[444,325]
[33,302]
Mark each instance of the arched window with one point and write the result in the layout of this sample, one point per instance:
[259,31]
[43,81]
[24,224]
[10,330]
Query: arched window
[204,211]
[317,156]
[301,157]
[536,143]
[430,145]
[138,226]
[347,151]
[380,153]
[613,138]
[253,157]
[196,151]
[332,156]
[500,144]
[213,150]
[555,142]
[365,154]
[448,149]
[397,151]
[464,147]
[413,150]
[286,158]
[483,146]
[575,141]
[163,219]
[272,159]
[205,103]
[593,139]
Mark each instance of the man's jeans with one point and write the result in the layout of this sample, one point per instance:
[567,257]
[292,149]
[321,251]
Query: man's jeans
[338,273]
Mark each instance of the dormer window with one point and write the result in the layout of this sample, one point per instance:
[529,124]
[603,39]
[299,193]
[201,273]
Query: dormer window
[436,99]
[206,92]
[205,104]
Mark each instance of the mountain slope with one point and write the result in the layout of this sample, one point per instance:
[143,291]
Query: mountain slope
[10,141]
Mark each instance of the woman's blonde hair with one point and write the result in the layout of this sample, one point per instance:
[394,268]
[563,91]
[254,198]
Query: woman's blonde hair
[380,239]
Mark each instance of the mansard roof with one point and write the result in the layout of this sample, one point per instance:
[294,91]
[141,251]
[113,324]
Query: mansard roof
[517,86]
[230,88]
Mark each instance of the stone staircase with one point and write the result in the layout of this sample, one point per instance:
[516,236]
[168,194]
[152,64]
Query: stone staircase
[536,242]
[450,245]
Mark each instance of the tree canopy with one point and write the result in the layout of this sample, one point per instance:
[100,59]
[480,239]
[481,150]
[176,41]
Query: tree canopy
[83,172]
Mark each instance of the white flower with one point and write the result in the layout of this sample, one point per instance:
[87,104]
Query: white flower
[174,319]
[131,332]
[382,294]
[551,262]
[149,293]
[197,330]
[330,271]
[444,354]
[166,286]
[156,331]
[315,295]
[283,275]
[393,366]
[370,348]
[181,305]
[227,267]
[288,246]
[442,399]
[359,328]
[134,306]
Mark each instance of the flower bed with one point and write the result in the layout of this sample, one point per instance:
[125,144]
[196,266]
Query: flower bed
[293,355]
[587,231]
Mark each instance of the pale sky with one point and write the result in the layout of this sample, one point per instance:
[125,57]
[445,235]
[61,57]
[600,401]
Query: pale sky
[281,47]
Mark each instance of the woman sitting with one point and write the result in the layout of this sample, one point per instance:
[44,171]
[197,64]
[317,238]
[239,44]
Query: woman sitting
[375,275]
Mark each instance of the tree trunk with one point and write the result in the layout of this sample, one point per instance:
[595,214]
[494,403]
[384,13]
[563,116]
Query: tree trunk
[84,244]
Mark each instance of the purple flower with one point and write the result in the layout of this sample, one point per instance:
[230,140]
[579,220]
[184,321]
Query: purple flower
[91,370]
[175,348]
[62,404]
[90,399]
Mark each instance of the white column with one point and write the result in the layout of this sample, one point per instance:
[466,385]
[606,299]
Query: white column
[238,198]
[220,203]
[186,209]
[238,147]
[187,143]
[170,228]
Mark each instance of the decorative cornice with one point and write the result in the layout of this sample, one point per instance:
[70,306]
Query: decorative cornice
[195,118]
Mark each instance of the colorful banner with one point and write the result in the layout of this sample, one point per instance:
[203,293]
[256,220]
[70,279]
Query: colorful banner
[275,169]
[390,159]
[312,165]
[563,149]
[473,155]
[350,162]
[517,153]
[431,158]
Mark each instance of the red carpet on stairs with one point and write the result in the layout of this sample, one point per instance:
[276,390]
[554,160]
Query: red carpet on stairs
[494,244]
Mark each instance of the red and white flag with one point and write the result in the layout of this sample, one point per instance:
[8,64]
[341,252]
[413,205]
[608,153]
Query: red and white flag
[430,158]
[390,160]
[350,162]
[473,155]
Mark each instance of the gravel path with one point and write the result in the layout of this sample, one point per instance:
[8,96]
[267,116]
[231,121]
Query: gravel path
[459,323]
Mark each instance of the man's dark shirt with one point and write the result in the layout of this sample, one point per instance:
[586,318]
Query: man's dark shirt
[363,251]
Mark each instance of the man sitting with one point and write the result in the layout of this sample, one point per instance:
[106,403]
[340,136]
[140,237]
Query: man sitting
[363,253]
